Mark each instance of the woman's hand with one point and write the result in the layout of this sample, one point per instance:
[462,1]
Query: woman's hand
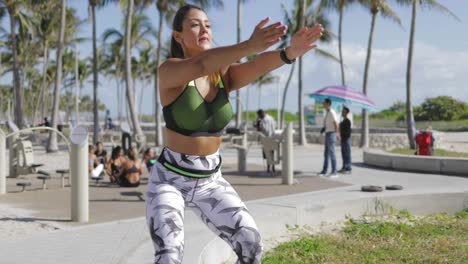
[303,41]
[264,37]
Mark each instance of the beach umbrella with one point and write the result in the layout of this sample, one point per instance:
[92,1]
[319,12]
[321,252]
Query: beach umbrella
[345,96]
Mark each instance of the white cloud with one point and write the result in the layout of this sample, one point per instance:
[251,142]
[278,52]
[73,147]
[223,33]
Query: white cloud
[435,72]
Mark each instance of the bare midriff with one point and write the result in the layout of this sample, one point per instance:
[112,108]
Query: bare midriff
[133,177]
[199,146]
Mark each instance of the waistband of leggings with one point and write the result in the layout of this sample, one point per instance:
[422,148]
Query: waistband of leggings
[188,172]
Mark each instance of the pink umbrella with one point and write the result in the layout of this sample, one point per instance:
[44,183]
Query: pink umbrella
[345,96]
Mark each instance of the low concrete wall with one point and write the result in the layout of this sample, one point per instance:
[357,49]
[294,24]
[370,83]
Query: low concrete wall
[428,164]
[217,251]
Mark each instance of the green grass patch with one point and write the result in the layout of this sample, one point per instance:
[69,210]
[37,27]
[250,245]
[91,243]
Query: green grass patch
[439,238]
[438,152]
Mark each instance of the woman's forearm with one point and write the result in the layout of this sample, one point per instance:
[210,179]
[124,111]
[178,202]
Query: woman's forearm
[242,74]
[214,59]
[203,64]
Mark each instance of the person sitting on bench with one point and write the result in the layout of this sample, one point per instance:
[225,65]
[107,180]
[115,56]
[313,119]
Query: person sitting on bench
[131,172]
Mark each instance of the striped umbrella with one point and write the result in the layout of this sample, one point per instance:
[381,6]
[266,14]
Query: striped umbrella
[345,96]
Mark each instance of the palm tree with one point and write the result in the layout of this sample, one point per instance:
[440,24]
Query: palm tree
[136,34]
[113,65]
[429,4]
[261,81]
[340,6]
[93,4]
[265,79]
[47,22]
[302,15]
[238,102]
[13,7]
[47,29]
[130,91]
[146,67]
[166,10]
[375,7]
[52,145]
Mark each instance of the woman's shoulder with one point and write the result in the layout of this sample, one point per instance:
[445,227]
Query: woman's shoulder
[169,62]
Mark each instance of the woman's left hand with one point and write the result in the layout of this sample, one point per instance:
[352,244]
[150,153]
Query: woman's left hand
[303,41]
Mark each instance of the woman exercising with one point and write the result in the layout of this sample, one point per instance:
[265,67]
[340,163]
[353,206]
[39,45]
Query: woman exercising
[194,88]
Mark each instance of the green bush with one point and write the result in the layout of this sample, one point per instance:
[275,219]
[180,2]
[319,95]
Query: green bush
[441,108]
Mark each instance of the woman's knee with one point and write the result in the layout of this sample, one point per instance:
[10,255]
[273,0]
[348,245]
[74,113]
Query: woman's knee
[247,244]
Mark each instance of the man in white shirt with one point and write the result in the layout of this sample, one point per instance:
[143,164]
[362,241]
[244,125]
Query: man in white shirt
[266,125]
[331,129]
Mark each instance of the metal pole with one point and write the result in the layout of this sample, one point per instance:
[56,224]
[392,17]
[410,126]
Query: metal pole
[242,154]
[79,174]
[287,160]
[278,102]
[2,162]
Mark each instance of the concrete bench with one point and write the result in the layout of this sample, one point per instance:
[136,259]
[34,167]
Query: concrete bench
[426,164]
[62,176]
[44,176]
[24,185]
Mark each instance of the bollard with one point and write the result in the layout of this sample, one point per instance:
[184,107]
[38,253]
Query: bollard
[2,162]
[242,154]
[287,159]
[79,174]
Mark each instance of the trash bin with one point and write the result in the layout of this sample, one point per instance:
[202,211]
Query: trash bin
[424,141]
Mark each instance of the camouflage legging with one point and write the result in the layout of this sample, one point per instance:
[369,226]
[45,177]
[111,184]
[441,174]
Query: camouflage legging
[213,199]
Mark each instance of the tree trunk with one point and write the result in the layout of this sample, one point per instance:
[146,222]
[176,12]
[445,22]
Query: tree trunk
[53,146]
[238,102]
[119,100]
[157,106]
[302,136]
[128,72]
[157,113]
[285,92]
[340,35]
[365,115]
[43,83]
[259,97]
[411,127]
[77,87]
[17,89]
[95,80]
[246,110]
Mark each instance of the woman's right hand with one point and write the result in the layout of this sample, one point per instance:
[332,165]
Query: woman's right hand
[264,37]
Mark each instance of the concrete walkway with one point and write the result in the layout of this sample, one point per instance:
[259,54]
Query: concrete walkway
[127,241]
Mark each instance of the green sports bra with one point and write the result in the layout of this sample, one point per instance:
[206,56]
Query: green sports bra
[191,115]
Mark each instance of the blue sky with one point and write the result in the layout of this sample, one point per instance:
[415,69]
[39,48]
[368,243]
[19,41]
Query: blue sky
[440,53]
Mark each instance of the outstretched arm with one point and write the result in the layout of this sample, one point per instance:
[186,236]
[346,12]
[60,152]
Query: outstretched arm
[242,74]
[215,59]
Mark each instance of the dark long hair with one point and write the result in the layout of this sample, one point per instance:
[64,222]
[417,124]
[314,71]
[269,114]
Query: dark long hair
[176,48]
[115,152]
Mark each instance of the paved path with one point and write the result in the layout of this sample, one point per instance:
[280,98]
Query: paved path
[127,241]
